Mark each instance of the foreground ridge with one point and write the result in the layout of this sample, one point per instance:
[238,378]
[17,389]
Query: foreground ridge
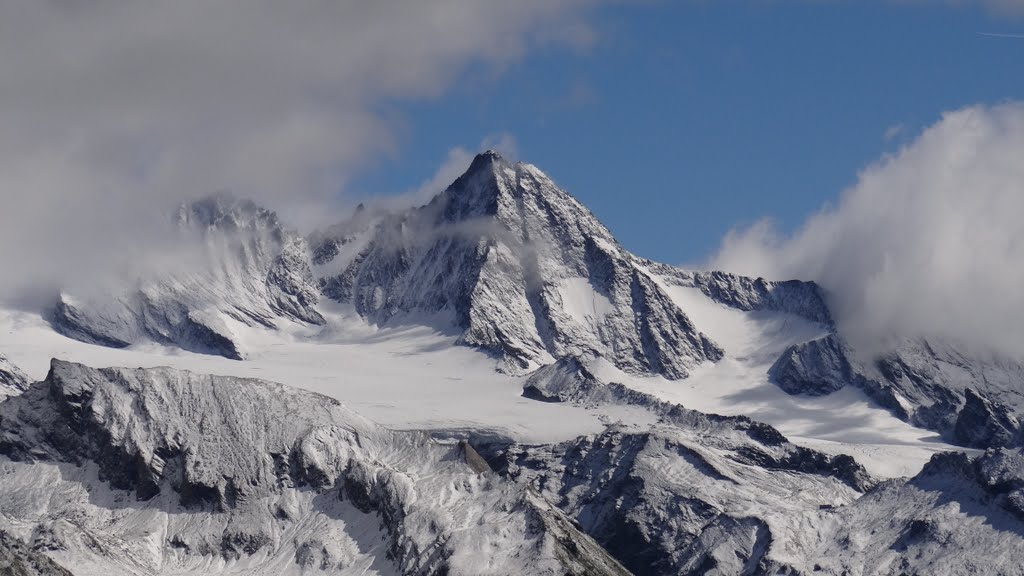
[165,471]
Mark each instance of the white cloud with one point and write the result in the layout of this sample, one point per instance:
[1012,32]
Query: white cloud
[112,109]
[929,242]
[1009,8]
[893,132]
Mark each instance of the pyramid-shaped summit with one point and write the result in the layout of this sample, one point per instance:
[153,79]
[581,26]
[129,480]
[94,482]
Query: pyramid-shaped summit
[520,267]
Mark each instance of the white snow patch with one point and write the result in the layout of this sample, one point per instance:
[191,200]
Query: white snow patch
[582,303]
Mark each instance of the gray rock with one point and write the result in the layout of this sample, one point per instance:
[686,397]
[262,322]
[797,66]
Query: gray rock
[930,384]
[797,297]
[982,424]
[814,368]
[681,497]
[957,516]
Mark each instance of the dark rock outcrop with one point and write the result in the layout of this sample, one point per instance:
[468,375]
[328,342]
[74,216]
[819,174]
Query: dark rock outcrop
[982,423]
[815,368]
[797,297]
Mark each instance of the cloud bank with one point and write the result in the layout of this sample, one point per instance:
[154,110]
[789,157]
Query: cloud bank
[928,242]
[112,112]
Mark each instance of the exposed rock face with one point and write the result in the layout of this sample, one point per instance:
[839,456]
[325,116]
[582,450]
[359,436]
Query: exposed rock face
[982,423]
[260,475]
[12,380]
[248,268]
[160,471]
[924,382]
[17,559]
[567,380]
[708,494]
[521,268]
[816,368]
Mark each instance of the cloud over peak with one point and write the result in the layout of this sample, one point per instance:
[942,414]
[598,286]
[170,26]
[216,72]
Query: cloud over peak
[928,242]
[113,110]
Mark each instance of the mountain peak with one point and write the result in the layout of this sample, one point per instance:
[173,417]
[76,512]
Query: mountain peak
[524,270]
[489,155]
[487,161]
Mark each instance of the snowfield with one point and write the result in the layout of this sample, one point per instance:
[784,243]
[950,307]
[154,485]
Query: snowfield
[416,378]
[404,378]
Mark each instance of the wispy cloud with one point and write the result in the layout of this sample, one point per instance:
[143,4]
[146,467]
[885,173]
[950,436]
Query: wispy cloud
[893,132]
[1001,35]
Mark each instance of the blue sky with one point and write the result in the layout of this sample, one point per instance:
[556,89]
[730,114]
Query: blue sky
[684,120]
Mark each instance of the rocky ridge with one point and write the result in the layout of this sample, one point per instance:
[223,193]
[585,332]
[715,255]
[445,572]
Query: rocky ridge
[691,496]
[154,471]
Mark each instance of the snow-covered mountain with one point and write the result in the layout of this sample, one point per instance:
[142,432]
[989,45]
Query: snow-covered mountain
[519,266]
[974,399]
[246,270]
[625,416]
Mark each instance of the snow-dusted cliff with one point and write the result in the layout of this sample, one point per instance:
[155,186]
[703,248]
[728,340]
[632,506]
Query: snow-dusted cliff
[609,463]
[973,398]
[12,380]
